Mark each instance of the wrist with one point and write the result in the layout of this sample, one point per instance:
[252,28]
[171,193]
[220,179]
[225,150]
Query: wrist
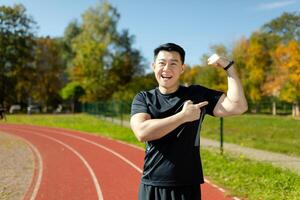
[181,116]
[230,64]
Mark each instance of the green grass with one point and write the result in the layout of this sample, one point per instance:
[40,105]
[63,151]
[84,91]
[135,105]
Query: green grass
[250,179]
[242,177]
[273,133]
[81,122]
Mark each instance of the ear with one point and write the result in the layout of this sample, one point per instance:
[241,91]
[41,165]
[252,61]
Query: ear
[153,66]
[183,68]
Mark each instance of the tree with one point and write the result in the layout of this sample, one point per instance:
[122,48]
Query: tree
[127,62]
[287,27]
[257,65]
[138,83]
[48,76]
[190,75]
[287,60]
[16,52]
[239,55]
[276,32]
[71,32]
[91,47]
[72,91]
[104,59]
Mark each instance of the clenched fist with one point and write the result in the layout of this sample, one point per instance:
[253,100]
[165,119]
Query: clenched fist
[218,61]
[191,112]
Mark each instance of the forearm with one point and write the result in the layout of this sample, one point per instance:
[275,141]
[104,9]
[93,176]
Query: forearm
[235,93]
[234,102]
[153,129]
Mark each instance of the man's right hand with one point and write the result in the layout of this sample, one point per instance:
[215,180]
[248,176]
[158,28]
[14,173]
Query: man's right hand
[191,112]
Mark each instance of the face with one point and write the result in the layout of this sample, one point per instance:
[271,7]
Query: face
[167,68]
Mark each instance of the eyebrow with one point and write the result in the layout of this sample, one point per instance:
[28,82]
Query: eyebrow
[173,60]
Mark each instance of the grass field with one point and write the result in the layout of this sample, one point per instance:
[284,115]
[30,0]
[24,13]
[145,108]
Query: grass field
[243,177]
[273,133]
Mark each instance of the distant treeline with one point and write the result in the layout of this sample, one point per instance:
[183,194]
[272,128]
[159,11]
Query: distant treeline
[93,61]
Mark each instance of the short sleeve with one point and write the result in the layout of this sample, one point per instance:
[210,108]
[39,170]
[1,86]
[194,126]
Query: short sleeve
[212,97]
[139,104]
[206,94]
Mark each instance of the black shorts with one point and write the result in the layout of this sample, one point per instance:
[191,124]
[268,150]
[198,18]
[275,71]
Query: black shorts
[149,192]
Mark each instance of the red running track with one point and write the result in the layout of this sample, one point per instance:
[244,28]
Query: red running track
[74,165]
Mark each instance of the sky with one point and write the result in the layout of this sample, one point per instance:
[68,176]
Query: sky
[194,24]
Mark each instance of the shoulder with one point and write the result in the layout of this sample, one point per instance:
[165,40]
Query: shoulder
[143,95]
[141,101]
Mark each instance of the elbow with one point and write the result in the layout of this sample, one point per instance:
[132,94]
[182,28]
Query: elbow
[243,108]
[240,109]
[141,138]
[141,135]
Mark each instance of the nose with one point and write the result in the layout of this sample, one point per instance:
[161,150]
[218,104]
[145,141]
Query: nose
[166,67]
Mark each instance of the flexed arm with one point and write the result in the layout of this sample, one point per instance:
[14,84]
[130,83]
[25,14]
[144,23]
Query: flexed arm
[234,101]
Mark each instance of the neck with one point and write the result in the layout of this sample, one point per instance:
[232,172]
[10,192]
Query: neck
[165,90]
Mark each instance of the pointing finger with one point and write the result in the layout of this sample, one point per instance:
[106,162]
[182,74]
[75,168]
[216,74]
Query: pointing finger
[201,104]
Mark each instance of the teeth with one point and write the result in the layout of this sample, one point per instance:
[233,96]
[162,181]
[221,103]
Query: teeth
[168,77]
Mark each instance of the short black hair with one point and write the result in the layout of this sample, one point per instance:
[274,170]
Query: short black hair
[170,47]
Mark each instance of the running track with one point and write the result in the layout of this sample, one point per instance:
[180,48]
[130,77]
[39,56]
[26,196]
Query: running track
[75,165]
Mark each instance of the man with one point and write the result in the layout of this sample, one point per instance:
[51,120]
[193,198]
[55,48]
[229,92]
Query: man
[168,119]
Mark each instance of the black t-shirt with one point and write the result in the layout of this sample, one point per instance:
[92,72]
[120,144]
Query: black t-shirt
[174,160]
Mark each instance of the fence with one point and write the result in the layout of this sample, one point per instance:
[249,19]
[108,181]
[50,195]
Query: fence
[121,109]
[267,107]
[115,110]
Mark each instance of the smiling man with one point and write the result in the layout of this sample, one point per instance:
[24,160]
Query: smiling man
[168,118]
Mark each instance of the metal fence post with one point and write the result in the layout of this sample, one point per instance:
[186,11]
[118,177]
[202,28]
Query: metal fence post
[221,135]
[121,111]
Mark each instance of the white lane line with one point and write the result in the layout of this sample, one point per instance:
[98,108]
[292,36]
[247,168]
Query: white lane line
[102,147]
[131,145]
[121,157]
[219,188]
[96,183]
[37,154]
[40,172]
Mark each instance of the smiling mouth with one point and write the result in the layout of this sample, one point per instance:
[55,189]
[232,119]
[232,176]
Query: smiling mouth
[166,77]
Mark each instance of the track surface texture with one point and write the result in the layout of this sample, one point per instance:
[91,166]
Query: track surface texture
[75,165]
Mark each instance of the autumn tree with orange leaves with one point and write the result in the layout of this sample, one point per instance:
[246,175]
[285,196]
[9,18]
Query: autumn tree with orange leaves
[287,62]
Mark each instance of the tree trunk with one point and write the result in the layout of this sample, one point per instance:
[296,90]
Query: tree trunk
[274,111]
[296,111]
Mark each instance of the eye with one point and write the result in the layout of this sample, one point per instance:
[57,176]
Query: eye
[161,63]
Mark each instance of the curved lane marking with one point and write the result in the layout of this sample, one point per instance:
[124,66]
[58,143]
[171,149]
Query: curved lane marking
[40,170]
[96,183]
[102,147]
[122,157]
[37,154]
